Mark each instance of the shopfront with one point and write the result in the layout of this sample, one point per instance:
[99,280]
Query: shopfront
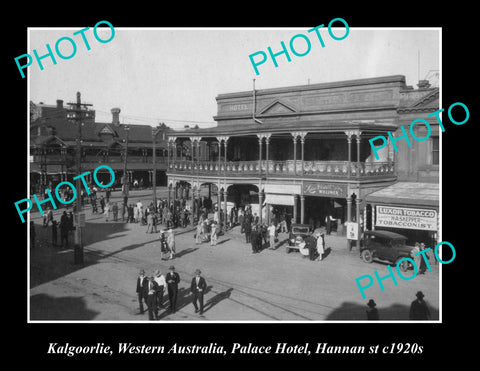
[408,208]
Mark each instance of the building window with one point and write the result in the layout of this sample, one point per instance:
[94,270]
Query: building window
[435,150]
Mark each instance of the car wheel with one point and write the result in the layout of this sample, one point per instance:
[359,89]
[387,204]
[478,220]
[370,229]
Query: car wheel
[288,250]
[367,256]
[404,265]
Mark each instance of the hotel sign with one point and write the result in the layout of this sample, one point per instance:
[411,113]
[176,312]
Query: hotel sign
[323,189]
[406,218]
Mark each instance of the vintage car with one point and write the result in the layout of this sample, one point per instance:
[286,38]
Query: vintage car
[298,232]
[386,246]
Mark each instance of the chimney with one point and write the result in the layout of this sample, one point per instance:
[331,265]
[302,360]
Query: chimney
[115,116]
[59,103]
[423,84]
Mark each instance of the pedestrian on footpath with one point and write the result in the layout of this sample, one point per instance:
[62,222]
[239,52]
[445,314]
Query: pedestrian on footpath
[198,287]
[49,217]
[214,234]
[253,239]
[149,223]
[102,204]
[173,279]
[247,228]
[163,245]
[107,211]
[272,230]
[130,218]
[64,227]
[423,265]
[198,233]
[151,294]
[155,222]
[320,245]
[171,243]
[115,211]
[311,245]
[93,201]
[416,258]
[160,280]
[372,312]
[54,233]
[141,287]
[419,309]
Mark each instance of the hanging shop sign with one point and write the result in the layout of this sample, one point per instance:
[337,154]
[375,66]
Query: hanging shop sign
[323,189]
[406,218]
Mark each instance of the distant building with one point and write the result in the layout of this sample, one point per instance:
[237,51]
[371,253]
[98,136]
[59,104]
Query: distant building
[53,148]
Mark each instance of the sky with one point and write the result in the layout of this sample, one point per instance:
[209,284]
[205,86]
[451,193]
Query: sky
[173,75]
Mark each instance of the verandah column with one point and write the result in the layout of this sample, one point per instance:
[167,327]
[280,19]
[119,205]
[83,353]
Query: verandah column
[358,138]
[349,219]
[349,134]
[294,138]
[303,134]
[267,142]
[260,140]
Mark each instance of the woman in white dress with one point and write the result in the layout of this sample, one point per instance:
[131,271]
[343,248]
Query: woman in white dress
[320,245]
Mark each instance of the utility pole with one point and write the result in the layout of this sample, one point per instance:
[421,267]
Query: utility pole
[77,112]
[155,132]
[125,182]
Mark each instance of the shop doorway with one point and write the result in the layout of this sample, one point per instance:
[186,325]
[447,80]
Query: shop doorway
[318,208]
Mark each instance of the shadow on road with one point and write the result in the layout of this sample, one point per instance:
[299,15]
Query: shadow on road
[356,312]
[46,307]
[217,299]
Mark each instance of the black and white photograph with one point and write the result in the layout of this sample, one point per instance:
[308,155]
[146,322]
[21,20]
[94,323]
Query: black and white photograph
[279,162]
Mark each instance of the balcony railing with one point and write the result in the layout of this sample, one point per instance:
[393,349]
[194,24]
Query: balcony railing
[285,168]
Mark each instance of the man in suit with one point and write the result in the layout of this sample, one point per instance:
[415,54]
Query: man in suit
[419,309]
[172,278]
[198,287]
[141,284]
[150,293]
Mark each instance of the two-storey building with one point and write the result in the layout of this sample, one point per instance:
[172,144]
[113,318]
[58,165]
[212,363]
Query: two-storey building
[305,149]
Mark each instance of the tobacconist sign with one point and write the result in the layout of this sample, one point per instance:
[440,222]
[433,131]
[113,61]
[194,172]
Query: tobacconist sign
[406,218]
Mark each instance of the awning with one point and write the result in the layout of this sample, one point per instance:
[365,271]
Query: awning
[407,194]
[272,199]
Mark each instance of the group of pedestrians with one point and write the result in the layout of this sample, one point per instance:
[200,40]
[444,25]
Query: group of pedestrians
[65,225]
[150,291]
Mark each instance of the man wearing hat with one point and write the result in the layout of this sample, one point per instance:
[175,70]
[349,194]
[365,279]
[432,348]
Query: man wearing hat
[151,295]
[372,312]
[160,280]
[172,278]
[198,287]
[141,284]
[419,309]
